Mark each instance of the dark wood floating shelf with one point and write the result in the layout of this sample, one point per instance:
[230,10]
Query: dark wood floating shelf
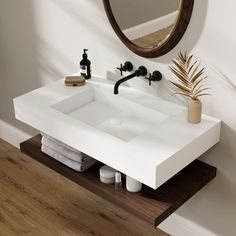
[152,206]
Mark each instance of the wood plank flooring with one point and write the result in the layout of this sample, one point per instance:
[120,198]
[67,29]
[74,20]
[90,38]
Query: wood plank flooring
[154,39]
[35,200]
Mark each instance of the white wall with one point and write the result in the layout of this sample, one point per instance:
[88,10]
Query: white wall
[41,41]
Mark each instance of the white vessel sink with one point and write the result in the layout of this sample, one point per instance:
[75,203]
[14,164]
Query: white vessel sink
[140,135]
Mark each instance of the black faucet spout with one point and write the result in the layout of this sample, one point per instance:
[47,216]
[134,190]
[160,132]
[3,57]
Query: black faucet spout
[119,82]
[141,71]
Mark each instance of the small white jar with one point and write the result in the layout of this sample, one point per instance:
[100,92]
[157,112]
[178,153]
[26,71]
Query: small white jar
[132,185]
[107,174]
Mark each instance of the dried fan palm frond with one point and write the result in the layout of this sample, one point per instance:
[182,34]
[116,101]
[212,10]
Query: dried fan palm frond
[189,77]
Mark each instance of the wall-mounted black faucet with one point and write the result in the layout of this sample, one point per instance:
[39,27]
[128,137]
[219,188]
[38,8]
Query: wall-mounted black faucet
[128,66]
[141,71]
[155,76]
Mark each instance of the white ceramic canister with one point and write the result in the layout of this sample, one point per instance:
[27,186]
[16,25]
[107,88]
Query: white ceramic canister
[107,174]
[132,185]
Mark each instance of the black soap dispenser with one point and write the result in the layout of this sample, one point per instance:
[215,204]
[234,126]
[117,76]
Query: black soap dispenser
[85,66]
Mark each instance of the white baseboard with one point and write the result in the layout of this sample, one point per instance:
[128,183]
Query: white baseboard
[12,134]
[150,26]
[176,225]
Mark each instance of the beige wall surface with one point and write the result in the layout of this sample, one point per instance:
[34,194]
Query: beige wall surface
[42,41]
[129,13]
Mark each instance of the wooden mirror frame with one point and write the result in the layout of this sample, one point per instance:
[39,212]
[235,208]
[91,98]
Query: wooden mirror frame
[168,44]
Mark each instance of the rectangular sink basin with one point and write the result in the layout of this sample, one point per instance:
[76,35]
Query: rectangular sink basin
[142,136]
[112,114]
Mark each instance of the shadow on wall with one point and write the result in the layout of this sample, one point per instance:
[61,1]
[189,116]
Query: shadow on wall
[19,72]
[27,58]
[51,61]
[219,196]
[92,20]
[223,76]
[31,57]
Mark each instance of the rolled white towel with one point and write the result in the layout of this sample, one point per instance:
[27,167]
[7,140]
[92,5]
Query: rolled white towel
[64,149]
[60,143]
[80,167]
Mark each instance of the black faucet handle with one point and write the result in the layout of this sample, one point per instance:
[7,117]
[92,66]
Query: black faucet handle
[120,69]
[141,71]
[128,66]
[149,78]
[155,76]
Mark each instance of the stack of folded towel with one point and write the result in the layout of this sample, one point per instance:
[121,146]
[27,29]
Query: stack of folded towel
[66,154]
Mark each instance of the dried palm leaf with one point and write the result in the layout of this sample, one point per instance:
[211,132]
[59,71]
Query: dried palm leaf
[189,76]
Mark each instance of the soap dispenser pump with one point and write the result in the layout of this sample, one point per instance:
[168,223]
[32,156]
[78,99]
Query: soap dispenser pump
[85,66]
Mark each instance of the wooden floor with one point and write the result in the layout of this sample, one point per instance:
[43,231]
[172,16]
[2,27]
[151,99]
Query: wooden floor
[154,39]
[35,200]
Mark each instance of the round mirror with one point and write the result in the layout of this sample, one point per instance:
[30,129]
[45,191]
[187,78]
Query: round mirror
[150,28]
